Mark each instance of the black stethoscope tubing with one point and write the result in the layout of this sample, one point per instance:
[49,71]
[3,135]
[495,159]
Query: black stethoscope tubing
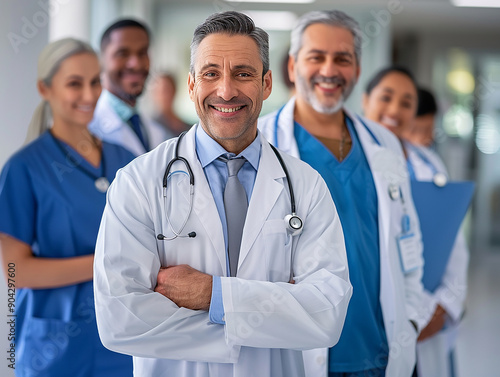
[178,158]
[283,166]
[295,224]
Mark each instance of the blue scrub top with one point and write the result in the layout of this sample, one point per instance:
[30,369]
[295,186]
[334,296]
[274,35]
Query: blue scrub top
[363,343]
[51,205]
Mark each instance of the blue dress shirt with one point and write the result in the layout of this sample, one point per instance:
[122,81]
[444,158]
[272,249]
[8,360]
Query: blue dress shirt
[208,152]
[122,109]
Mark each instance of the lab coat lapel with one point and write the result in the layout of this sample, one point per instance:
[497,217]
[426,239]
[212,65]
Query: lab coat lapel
[373,151]
[265,193]
[113,129]
[203,203]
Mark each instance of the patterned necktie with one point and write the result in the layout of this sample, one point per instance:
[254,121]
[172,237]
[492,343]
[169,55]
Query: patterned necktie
[235,205]
[135,121]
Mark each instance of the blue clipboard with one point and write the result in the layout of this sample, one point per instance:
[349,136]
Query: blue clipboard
[441,211]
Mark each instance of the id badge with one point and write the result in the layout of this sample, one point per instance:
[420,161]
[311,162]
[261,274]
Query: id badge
[408,247]
[408,252]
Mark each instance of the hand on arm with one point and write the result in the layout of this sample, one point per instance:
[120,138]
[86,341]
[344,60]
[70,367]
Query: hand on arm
[37,272]
[185,286]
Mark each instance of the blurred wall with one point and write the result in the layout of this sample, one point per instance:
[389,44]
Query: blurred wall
[24,31]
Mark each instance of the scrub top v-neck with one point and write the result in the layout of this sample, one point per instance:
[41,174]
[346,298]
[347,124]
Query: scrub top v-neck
[353,191]
[49,201]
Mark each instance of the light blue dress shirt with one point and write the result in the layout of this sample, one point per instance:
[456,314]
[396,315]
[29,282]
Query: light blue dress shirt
[125,112]
[208,152]
[122,109]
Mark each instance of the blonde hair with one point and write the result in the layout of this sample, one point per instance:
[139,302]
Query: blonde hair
[49,61]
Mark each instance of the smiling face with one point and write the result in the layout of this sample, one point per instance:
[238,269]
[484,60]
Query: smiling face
[326,69]
[228,89]
[126,63]
[74,90]
[392,102]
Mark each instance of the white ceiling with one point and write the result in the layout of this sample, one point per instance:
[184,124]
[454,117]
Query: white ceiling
[419,16]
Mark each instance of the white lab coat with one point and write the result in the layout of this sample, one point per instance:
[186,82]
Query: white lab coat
[433,354]
[267,320]
[400,294]
[108,126]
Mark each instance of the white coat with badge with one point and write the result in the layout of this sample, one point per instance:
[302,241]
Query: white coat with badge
[433,354]
[267,319]
[400,292]
[108,126]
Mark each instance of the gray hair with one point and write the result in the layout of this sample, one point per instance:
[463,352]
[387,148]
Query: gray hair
[49,61]
[327,17]
[231,23]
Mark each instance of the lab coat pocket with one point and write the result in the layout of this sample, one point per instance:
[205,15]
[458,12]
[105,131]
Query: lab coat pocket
[55,348]
[278,250]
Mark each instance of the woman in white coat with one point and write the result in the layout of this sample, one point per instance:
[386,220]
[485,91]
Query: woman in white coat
[391,99]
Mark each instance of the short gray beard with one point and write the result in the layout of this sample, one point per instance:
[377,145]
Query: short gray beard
[307,90]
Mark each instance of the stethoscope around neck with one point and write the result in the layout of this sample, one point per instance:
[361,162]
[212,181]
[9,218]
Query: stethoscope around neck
[293,222]
[394,191]
[439,179]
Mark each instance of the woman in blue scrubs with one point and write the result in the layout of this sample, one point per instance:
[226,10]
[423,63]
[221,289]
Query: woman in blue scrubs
[52,195]
[391,98]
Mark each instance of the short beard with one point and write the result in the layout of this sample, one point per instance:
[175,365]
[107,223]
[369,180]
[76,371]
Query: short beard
[307,90]
[130,97]
[127,97]
[120,93]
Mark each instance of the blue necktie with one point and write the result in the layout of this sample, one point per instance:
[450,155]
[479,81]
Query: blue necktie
[235,205]
[135,121]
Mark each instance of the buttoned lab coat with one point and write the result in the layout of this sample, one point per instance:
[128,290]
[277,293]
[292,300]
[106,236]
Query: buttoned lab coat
[267,319]
[108,126]
[433,354]
[400,293]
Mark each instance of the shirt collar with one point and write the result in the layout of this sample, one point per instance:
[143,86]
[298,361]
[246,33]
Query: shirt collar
[121,108]
[209,150]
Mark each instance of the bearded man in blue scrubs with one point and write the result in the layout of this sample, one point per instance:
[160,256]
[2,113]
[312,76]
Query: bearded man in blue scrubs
[364,168]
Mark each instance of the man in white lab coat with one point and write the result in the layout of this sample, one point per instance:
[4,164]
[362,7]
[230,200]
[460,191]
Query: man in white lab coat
[364,168]
[167,288]
[125,64]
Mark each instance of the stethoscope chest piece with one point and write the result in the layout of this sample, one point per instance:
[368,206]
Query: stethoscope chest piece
[440,179]
[294,224]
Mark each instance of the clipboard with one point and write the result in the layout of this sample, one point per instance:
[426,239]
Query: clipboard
[441,211]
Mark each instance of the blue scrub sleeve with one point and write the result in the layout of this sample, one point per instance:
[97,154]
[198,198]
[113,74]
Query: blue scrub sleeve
[216,311]
[17,202]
